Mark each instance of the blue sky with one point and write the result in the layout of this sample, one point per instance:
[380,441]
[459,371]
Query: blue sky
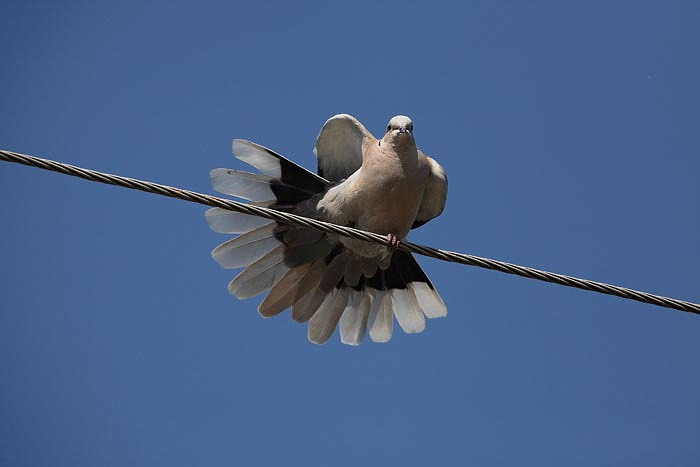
[569,133]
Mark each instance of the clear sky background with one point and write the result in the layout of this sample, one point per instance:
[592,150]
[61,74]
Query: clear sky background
[569,131]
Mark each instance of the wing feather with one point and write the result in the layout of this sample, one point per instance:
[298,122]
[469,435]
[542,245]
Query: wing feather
[339,147]
[435,194]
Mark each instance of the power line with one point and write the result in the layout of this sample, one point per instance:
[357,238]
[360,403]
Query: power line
[288,218]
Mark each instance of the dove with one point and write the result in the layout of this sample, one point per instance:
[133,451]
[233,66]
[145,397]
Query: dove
[387,186]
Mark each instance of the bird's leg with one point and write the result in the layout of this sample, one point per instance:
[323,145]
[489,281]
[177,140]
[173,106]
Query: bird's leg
[393,241]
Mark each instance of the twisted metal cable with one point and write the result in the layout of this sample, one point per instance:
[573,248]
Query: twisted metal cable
[288,218]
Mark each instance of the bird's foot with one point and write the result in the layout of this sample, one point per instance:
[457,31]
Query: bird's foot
[393,241]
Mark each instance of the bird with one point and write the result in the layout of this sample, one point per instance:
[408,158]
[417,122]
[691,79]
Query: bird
[387,186]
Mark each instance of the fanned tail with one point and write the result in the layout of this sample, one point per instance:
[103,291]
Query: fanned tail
[368,302]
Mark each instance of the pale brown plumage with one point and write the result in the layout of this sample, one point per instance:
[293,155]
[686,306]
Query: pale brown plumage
[386,186]
[393,183]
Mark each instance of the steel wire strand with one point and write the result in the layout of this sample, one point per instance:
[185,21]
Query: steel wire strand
[289,218]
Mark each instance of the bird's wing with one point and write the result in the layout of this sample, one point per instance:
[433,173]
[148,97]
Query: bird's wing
[435,194]
[339,147]
[275,165]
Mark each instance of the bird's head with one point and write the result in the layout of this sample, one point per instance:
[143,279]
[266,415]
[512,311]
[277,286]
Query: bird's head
[399,131]
[400,125]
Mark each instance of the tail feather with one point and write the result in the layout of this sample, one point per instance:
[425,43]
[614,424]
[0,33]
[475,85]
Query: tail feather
[406,307]
[261,275]
[334,271]
[247,248]
[407,312]
[254,187]
[353,322]
[424,291]
[323,323]
[230,222]
[259,284]
[305,307]
[283,293]
[353,271]
[298,255]
[330,273]
[277,166]
[380,321]
[301,236]
[428,299]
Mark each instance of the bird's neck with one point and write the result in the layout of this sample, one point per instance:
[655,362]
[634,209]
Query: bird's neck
[405,148]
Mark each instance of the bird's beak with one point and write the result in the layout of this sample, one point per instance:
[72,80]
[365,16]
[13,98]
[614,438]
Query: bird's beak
[403,130]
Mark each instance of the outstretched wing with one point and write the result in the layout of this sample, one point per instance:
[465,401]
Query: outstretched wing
[275,165]
[339,147]
[435,194]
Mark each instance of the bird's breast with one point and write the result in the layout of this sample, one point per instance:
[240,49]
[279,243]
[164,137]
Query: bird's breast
[388,197]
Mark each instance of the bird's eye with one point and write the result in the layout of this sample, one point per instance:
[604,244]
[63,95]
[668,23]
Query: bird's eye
[388,127]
